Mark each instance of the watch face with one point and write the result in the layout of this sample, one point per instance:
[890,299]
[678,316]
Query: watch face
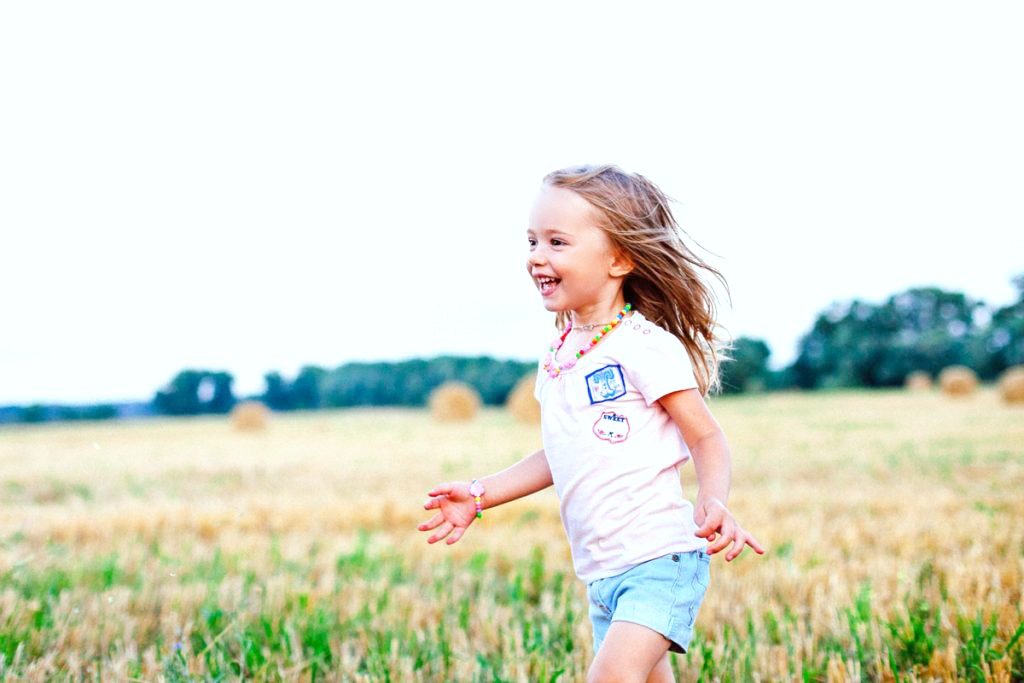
[476,489]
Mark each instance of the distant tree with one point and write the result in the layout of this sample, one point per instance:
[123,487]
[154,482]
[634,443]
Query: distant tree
[181,395]
[86,412]
[306,390]
[223,399]
[409,383]
[780,379]
[100,411]
[1002,341]
[34,413]
[66,413]
[748,368]
[186,394]
[864,344]
[356,384]
[277,395]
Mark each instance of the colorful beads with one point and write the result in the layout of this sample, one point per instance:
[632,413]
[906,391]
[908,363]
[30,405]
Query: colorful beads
[553,369]
[476,489]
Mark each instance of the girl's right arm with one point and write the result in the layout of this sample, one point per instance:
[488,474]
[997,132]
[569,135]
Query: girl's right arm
[457,509]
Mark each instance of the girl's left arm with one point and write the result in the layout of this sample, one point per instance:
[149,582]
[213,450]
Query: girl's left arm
[713,463]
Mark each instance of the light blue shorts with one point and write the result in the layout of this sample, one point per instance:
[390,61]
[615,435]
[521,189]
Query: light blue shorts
[662,594]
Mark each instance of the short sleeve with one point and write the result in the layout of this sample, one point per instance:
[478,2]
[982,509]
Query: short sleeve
[539,381]
[661,366]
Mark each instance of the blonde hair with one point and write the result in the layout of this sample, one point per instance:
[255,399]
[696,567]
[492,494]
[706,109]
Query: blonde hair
[665,283]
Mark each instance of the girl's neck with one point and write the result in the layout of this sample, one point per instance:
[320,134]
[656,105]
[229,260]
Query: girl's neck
[597,314]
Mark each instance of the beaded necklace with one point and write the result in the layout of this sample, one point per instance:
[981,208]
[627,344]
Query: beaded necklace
[589,326]
[554,369]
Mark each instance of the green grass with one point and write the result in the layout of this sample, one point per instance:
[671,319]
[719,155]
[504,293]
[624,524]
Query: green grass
[307,633]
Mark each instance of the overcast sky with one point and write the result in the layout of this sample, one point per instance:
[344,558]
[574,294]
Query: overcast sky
[254,186]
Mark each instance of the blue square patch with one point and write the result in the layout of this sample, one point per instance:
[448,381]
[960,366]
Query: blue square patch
[606,384]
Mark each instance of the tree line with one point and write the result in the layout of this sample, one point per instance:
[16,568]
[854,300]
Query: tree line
[403,383]
[851,344]
[864,344]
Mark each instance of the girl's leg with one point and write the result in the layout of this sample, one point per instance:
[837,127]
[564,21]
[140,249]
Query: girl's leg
[630,653]
[662,671]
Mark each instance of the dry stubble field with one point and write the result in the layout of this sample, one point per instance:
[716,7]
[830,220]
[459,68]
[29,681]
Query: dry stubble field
[179,549]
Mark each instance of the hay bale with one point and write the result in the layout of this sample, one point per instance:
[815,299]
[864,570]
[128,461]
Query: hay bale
[918,381]
[520,401]
[453,402]
[958,380]
[1011,384]
[250,416]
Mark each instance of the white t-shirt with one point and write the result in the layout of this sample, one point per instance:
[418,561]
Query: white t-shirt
[615,453]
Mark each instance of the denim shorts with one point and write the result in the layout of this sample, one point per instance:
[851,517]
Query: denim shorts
[662,594]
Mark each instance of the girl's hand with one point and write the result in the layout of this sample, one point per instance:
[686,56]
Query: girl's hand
[456,511]
[720,528]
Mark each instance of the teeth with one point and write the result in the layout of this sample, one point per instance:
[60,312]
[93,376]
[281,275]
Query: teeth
[547,284]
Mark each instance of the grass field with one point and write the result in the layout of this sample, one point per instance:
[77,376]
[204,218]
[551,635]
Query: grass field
[183,550]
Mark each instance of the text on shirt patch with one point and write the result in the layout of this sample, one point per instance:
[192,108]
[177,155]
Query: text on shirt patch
[606,384]
[612,427]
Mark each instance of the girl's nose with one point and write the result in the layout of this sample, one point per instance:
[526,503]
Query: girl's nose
[536,258]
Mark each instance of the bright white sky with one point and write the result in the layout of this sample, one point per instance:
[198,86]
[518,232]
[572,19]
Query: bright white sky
[254,186]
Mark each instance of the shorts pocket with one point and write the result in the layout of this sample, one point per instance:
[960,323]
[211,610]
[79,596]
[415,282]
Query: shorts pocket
[690,589]
[594,594]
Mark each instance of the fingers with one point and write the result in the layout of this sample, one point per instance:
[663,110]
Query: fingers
[755,544]
[722,531]
[712,521]
[440,490]
[433,503]
[726,536]
[456,534]
[743,539]
[737,547]
[445,529]
[433,523]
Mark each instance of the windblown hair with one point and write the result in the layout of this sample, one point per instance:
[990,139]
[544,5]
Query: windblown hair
[665,283]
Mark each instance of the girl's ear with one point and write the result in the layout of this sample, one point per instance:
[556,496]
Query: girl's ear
[621,265]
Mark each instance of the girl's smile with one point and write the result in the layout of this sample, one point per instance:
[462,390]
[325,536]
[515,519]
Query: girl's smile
[546,284]
[572,261]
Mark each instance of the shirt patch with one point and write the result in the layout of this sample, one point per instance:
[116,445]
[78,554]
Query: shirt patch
[612,427]
[606,384]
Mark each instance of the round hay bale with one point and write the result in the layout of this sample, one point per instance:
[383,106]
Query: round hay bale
[521,403]
[454,402]
[250,416]
[918,381]
[958,380]
[1011,384]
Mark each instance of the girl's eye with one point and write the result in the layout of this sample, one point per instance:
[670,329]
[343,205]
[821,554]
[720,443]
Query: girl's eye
[532,241]
[557,242]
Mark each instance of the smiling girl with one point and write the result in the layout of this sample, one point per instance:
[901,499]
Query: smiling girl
[622,392]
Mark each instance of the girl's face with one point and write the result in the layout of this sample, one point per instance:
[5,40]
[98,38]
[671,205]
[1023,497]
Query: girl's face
[572,262]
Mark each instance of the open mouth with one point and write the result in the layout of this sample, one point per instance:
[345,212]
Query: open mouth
[547,284]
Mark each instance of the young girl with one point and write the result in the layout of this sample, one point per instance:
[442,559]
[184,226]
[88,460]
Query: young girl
[622,401]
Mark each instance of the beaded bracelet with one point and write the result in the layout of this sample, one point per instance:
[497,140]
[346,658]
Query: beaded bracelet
[476,489]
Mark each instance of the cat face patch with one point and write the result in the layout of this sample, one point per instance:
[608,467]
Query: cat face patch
[606,384]
[612,427]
